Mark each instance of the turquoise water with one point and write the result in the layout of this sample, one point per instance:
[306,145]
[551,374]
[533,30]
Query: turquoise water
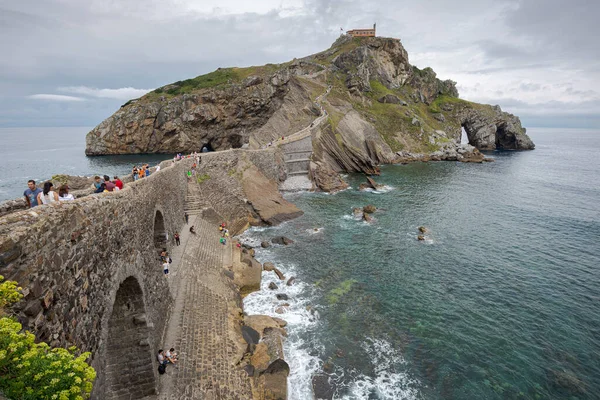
[502,301]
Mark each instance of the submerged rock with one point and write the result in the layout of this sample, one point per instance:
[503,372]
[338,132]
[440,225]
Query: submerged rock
[282,240]
[323,387]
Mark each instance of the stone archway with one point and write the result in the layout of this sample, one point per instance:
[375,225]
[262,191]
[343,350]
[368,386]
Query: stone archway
[129,367]
[160,232]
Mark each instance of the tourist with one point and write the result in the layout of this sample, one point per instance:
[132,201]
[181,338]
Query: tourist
[97,183]
[192,230]
[187,217]
[189,175]
[31,194]
[166,268]
[157,168]
[108,185]
[118,183]
[63,194]
[135,173]
[146,170]
[223,241]
[141,173]
[170,356]
[47,195]
[194,169]
[161,358]
[177,240]
[101,189]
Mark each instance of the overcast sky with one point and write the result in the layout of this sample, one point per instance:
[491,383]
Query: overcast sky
[74,62]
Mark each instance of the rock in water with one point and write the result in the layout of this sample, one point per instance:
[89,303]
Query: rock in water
[281,240]
[369,209]
[264,244]
[421,237]
[279,274]
[268,266]
[374,184]
[422,229]
[282,296]
[367,217]
[291,281]
[273,286]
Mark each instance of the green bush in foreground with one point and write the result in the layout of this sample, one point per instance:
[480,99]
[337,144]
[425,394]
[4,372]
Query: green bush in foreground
[34,371]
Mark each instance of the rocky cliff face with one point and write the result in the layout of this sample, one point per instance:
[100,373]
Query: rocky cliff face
[379,108]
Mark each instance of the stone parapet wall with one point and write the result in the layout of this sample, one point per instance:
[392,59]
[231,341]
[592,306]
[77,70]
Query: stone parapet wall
[71,258]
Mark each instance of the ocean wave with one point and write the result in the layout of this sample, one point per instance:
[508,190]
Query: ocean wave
[301,318]
[388,383]
[384,189]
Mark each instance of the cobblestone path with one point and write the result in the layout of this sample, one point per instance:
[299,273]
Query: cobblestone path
[199,326]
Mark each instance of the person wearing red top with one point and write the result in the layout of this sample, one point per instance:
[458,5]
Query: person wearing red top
[118,183]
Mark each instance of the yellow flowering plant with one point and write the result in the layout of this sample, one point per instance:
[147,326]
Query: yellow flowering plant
[34,371]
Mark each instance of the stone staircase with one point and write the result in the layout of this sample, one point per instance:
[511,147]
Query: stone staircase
[194,204]
[297,152]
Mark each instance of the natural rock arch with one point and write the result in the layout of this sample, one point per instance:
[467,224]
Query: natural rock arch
[160,231]
[493,129]
[129,371]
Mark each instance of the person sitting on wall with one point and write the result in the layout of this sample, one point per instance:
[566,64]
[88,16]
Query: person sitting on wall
[192,230]
[170,356]
[161,358]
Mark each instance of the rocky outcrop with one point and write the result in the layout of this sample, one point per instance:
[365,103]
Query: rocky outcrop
[220,118]
[265,198]
[383,60]
[490,128]
[378,110]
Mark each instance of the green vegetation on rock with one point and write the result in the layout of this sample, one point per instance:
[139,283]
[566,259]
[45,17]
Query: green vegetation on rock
[34,371]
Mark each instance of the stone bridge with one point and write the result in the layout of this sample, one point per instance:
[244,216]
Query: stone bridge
[92,277]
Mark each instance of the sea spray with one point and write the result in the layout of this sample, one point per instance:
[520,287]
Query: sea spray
[301,316]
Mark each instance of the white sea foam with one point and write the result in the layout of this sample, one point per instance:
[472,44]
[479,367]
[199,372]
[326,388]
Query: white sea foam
[299,355]
[389,383]
[302,353]
[384,189]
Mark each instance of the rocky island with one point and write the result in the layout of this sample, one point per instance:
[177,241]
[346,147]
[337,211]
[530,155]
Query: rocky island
[377,109]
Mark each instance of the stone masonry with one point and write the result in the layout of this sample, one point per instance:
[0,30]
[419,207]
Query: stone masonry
[92,278]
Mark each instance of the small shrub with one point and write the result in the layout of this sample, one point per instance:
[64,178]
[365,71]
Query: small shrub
[203,178]
[34,371]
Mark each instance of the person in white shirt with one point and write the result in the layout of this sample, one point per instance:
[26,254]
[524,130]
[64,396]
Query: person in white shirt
[64,195]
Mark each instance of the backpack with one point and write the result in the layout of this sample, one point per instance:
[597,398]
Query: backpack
[162,369]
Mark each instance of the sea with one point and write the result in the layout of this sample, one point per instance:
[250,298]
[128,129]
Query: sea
[500,301]
[39,153]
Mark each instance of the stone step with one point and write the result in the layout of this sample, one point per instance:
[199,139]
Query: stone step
[298,160]
[298,173]
[297,152]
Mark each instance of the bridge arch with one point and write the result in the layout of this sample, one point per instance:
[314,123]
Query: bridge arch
[129,362]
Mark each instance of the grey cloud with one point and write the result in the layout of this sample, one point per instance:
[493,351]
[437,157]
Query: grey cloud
[144,44]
